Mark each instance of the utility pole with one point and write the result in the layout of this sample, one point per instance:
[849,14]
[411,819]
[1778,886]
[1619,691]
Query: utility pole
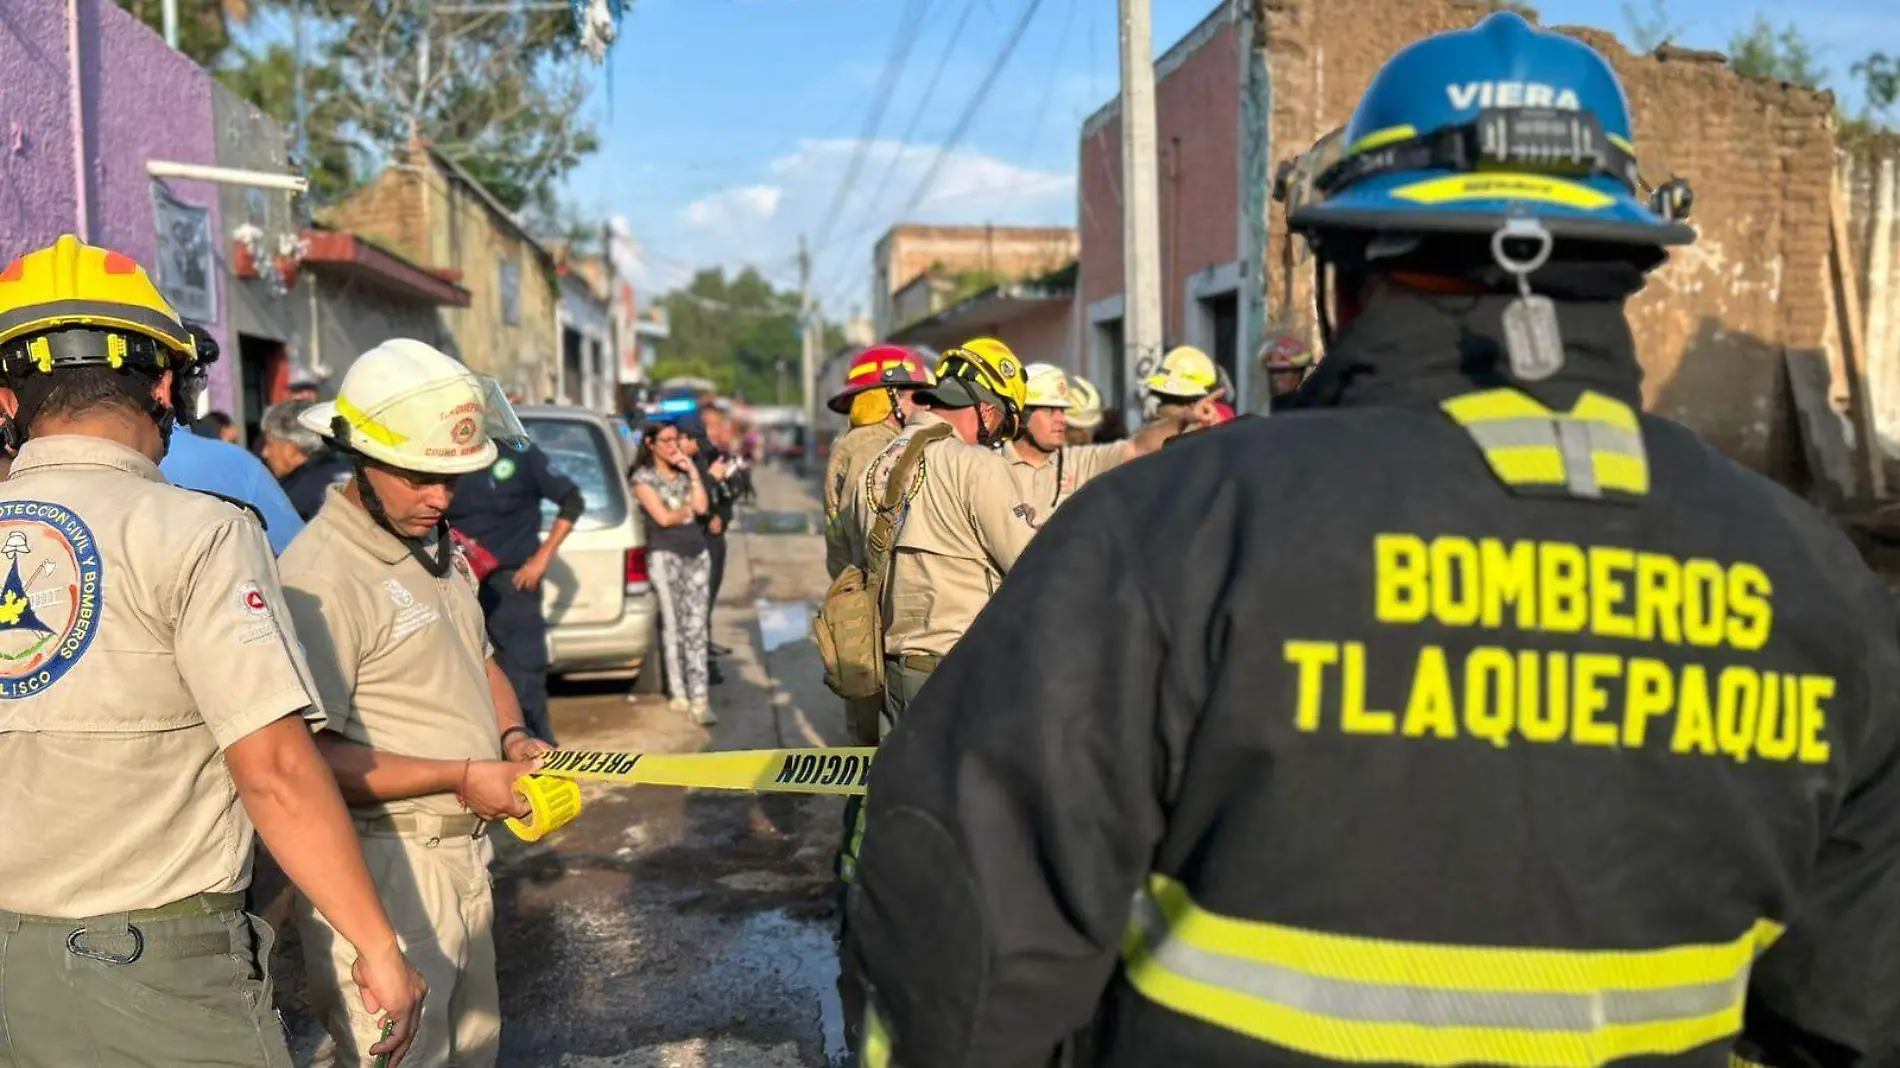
[1141,210]
[299,43]
[169,13]
[807,348]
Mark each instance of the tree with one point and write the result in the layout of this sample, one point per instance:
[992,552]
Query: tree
[1784,55]
[267,79]
[1881,74]
[204,26]
[736,332]
[495,86]
[1652,31]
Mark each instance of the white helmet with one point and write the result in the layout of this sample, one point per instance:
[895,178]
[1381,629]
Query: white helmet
[410,406]
[1085,404]
[1048,386]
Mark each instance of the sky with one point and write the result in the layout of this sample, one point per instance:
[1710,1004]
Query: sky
[729,127]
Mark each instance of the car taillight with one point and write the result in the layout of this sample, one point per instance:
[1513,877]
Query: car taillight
[636,567]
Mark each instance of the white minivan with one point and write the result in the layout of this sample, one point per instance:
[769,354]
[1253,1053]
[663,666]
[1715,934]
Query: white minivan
[599,607]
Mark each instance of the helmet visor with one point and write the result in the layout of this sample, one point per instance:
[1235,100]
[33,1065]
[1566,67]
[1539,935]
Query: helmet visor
[500,423]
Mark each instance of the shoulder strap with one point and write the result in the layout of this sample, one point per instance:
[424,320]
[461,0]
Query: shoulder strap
[241,505]
[881,544]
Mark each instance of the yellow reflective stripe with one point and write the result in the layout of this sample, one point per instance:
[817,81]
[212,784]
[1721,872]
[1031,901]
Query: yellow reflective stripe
[1404,1043]
[876,1052]
[360,421]
[1501,185]
[873,366]
[1361,999]
[1736,1060]
[1622,143]
[1422,964]
[1596,446]
[1380,138]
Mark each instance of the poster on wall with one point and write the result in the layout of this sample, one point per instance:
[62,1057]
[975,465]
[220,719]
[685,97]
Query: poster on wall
[186,266]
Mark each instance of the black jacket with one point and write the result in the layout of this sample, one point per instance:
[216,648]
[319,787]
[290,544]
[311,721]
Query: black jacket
[1254,760]
[310,483]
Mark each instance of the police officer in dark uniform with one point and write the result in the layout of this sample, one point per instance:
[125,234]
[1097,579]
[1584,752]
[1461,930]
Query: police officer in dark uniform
[1531,732]
[500,509]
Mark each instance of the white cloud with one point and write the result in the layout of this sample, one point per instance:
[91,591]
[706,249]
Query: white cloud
[760,224]
[739,206]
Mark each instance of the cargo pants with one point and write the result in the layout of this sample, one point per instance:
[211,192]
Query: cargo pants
[185,984]
[904,678]
[434,884]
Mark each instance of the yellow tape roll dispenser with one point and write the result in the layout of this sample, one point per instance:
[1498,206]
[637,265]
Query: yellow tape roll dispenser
[553,804]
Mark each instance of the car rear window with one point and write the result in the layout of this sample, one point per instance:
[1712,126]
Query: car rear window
[581,452]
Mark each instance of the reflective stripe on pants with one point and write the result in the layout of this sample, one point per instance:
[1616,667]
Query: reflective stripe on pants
[1348,998]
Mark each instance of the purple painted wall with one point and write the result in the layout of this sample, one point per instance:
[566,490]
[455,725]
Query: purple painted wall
[142,101]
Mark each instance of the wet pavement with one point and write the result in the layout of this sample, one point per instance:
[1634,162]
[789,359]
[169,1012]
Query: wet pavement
[669,928]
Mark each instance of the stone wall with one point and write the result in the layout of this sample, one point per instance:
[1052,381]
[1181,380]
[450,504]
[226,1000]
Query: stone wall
[1712,325]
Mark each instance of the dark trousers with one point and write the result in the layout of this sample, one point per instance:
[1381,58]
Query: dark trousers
[520,634]
[716,549]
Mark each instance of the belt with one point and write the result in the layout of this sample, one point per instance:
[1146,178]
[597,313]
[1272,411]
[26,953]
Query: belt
[195,905]
[87,937]
[924,662]
[421,825]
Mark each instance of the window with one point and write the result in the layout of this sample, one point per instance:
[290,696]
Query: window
[1114,363]
[580,451]
[510,293]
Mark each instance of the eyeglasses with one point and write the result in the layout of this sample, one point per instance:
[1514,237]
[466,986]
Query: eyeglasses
[665,439]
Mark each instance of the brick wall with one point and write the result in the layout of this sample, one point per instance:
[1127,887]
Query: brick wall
[1197,114]
[392,211]
[1712,324]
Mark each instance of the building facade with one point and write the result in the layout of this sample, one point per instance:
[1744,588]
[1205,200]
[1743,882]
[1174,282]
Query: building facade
[432,212]
[918,271]
[1258,83]
[92,99]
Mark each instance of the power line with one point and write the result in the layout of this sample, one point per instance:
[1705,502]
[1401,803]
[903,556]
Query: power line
[975,104]
[923,104]
[874,115]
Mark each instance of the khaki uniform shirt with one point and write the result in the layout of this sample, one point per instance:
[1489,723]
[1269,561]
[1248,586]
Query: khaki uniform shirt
[399,655]
[1046,485]
[850,455]
[141,633]
[957,537]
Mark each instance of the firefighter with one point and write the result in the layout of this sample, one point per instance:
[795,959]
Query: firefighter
[425,734]
[1287,363]
[878,398]
[959,523]
[1183,388]
[1046,469]
[1085,411]
[1537,732]
[154,706]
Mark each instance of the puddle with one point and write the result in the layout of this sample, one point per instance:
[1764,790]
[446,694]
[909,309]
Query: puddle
[802,960]
[782,622]
[768,521]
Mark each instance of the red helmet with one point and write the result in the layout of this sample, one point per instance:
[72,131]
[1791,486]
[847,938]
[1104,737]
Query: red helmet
[889,366]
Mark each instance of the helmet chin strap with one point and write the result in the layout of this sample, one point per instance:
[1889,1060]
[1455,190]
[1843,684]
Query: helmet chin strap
[438,565]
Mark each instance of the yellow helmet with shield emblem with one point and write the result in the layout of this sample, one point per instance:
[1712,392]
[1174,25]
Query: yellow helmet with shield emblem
[983,370]
[1186,373]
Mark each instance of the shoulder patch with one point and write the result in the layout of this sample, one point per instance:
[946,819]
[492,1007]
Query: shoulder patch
[52,596]
[241,505]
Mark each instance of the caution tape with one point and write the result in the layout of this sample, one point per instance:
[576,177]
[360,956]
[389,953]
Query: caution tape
[555,800]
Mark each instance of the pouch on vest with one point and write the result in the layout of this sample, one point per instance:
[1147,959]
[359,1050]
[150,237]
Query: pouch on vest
[849,625]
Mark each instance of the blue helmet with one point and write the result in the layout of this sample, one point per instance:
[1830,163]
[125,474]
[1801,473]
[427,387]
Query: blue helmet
[1461,132]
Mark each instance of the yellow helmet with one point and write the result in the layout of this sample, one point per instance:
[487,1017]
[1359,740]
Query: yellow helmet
[1085,404]
[74,284]
[1048,387]
[1185,372]
[988,364]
